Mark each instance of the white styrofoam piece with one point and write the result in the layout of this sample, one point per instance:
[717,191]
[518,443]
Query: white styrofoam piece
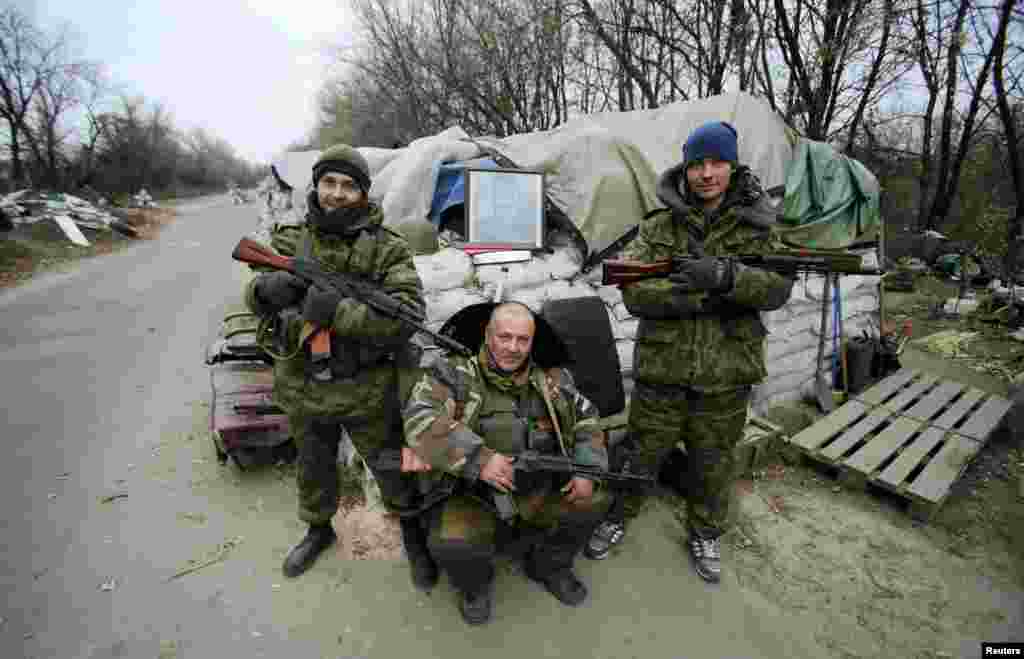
[71,230]
[620,312]
[611,295]
[626,329]
[625,349]
[502,256]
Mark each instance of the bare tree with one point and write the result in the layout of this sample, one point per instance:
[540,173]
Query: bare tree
[838,59]
[63,91]
[1015,229]
[26,61]
[493,67]
[966,75]
[668,51]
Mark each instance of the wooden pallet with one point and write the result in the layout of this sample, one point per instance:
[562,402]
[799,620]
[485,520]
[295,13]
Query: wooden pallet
[912,434]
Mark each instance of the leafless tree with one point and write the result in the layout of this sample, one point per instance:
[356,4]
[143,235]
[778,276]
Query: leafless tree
[967,55]
[26,61]
[838,61]
[1015,229]
[493,67]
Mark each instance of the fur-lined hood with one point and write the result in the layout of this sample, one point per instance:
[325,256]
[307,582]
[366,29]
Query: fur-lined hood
[744,192]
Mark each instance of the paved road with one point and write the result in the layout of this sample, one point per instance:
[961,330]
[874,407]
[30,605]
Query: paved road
[102,385]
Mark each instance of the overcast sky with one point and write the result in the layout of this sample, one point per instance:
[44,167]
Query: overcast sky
[246,71]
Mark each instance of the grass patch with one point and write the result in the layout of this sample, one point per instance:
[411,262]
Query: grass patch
[30,249]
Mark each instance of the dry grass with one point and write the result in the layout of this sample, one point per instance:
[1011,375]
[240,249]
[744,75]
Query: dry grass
[32,249]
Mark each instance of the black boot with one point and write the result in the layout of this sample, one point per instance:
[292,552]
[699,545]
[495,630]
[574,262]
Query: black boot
[550,563]
[476,604]
[422,567]
[303,555]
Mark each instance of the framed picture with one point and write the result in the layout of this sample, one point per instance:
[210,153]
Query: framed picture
[506,207]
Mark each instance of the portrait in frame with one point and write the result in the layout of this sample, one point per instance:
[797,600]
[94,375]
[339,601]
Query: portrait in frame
[506,207]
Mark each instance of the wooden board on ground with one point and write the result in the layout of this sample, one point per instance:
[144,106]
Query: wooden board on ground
[912,434]
[819,433]
[887,387]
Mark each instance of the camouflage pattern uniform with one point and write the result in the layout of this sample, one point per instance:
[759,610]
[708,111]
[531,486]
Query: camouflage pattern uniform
[697,358]
[547,414]
[362,396]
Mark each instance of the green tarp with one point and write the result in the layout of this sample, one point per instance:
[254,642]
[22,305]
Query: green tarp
[831,199]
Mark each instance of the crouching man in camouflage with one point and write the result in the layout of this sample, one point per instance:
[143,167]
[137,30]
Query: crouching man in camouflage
[700,344]
[358,391]
[465,421]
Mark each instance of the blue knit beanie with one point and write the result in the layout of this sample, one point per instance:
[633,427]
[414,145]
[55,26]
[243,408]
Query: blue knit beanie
[715,139]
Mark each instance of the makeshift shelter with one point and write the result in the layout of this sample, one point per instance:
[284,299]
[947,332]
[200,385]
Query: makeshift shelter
[601,172]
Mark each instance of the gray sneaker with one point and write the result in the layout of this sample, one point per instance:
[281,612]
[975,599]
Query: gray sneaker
[605,536]
[707,557]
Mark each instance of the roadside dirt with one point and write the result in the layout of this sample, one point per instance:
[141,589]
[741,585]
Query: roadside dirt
[852,569]
[29,250]
[868,580]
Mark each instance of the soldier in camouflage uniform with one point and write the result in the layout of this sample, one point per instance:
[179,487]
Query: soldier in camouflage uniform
[700,344]
[464,421]
[344,231]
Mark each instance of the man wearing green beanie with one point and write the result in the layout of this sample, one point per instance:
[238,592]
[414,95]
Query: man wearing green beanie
[700,344]
[358,392]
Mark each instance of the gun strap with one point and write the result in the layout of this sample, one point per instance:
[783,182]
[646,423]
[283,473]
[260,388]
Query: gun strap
[446,374]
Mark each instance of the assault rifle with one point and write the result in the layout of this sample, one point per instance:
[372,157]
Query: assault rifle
[534,462]
[622,272]
[312,271]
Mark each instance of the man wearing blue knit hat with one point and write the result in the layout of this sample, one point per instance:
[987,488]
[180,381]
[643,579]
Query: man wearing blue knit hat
[700,344]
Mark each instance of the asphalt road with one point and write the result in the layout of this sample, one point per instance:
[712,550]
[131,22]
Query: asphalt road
[102,386]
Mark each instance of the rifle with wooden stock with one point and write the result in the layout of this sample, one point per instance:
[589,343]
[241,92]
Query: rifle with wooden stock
[617,272]
[312,271]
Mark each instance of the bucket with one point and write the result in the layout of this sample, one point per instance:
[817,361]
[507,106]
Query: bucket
[860,354]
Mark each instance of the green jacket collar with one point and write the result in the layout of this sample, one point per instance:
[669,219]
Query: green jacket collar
[744,196]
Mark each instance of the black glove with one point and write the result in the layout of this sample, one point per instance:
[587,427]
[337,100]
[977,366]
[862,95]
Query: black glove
[277,290]
[705,274]
[320,306]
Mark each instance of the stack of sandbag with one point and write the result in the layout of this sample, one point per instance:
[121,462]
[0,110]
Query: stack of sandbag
[794,332]
[451,281]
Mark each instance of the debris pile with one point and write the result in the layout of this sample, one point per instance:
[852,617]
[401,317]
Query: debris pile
[142,199]
[68,211]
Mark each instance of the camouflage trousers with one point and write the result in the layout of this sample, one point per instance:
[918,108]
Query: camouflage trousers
[709,426]
[318,439]
[464,534]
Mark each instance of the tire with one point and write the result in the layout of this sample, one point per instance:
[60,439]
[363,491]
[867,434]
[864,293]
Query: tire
[583,325]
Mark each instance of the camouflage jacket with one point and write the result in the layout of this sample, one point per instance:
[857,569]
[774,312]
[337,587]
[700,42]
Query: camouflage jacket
[374,253]
[442,418]
[708,342]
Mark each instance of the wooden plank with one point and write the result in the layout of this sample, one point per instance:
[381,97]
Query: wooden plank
[950,417]
[914,391]
[849,438]
[823,430]
[887,387]
[934,481]
[894,475]
[985,420]
[931,404]
[872,454]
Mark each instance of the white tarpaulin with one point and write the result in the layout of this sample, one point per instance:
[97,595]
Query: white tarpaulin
[601,169]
